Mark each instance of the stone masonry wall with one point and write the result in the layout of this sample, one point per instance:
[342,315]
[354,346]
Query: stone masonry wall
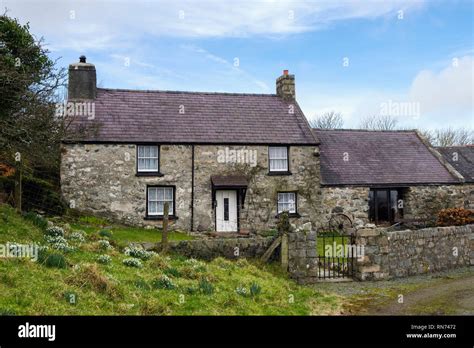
[231,248]
[405,253]
[260,209]
[426,201]
[352,201]
[101,179]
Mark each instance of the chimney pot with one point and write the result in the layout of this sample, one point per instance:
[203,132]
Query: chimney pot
[82,59]
[285,72]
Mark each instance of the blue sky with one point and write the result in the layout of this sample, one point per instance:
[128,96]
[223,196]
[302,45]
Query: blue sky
[413,52]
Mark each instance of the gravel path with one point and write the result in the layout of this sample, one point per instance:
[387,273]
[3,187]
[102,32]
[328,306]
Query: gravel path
[445,293]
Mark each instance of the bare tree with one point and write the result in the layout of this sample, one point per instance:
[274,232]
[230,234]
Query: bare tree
[449,136]
[379,122]
[328,120]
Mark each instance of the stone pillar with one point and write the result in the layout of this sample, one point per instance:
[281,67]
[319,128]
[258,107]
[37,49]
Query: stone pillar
[371,264]
[303,260]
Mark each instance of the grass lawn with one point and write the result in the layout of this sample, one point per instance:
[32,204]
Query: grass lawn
[164,285]
[124,234]
[328,242]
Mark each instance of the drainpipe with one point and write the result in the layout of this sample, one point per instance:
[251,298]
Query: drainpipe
[192,188]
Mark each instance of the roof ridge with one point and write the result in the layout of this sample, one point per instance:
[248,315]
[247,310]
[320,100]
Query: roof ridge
[186,92]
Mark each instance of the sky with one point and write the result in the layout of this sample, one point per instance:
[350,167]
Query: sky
[412,59]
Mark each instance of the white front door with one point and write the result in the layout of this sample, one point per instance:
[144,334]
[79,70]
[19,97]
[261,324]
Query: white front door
[226,211]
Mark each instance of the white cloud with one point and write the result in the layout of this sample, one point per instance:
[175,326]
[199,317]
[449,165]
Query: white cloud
[449,90]
[81,25]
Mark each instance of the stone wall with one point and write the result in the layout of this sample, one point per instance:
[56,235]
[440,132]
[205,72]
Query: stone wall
[426,201]
[208,249]
[101,179]
[405,253]
[352,201]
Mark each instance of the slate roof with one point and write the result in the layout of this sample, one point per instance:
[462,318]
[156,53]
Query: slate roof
[220,118]
[378,158]
[465,159]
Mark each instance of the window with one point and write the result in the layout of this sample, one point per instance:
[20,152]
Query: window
[278,158]
[385,205]
[148,159]
[156,199]
[287,202]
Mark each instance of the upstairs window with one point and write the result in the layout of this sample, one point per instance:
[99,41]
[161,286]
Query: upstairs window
[148,159]
[287,202]
[157,197]
[278,159]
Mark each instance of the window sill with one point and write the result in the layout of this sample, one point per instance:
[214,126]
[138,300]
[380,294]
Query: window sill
[291,215]
[160,217]
[149,174]
[279,173]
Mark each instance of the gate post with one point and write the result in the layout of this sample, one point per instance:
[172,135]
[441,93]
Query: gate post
[302,254]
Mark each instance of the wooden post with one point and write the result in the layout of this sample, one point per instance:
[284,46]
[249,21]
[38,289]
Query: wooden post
[18,182]
[284,252]
[164,236]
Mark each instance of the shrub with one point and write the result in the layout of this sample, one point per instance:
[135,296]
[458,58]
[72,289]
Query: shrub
[90,276]
[7,312]
[77,236]
[104,259]
[164,282]
[36,219]
[206,287]
[59,243]
[132,262]
[52,260]
[160,261]
[172,271]
[104,244]
[54,231]
[242,291]
[255,289]
[455,217]
[105,233]
[142,284]
[139,253]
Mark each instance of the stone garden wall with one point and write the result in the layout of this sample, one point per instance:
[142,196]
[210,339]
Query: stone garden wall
[411,252]
[211,248]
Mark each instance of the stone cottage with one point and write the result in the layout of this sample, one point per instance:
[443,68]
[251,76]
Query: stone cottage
[383,177]
[232,162]
[225,162]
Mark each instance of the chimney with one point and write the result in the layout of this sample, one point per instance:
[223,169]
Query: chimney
[82,80]
[285,86]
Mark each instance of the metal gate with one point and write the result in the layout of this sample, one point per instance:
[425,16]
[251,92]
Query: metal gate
[336,249]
